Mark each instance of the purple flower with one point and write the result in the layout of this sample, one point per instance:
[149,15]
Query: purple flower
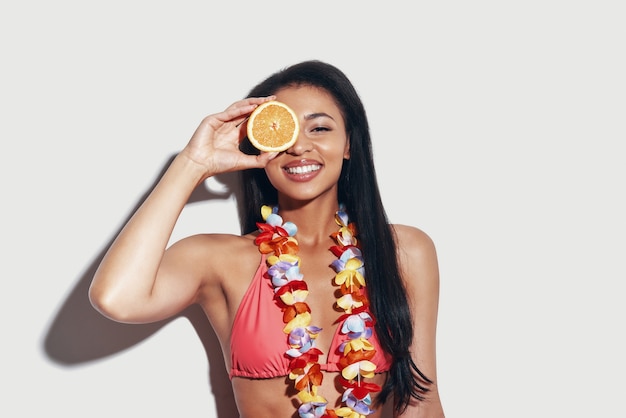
[358,405]
[286,269]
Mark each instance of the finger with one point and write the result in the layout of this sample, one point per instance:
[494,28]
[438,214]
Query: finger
[266,157]
[245,103]
[236,113]
[240,110]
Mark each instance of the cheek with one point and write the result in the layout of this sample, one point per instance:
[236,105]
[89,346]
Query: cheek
[272,171]
[342,148]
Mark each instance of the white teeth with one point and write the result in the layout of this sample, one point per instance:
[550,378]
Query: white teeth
[303,169]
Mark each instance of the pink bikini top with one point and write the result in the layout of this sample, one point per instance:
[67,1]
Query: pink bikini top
[258,343]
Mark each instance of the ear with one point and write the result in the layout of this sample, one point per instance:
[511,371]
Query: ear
[346,151]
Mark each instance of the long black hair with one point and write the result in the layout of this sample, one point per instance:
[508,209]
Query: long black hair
[358,191]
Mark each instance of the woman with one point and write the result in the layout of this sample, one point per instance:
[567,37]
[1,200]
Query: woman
[305,331]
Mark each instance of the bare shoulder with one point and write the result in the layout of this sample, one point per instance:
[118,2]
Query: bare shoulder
[412,240]
[203,255]
[214,242]
[417,255]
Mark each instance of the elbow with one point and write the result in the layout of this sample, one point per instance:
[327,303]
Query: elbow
[103,302]
[98,300]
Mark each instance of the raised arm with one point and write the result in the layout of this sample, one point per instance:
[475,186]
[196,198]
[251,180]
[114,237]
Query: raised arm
[418,260]
[135,283]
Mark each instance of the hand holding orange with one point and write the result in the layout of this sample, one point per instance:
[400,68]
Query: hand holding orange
[273,127]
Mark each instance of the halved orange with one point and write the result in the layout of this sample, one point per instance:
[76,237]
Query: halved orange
[273,126]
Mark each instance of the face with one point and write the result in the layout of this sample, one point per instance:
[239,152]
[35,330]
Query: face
[311,167]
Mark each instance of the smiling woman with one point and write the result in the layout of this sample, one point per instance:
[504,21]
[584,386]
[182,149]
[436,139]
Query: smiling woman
[319,290]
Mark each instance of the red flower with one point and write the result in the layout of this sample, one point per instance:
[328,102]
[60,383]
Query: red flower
[360,388]
[298,364]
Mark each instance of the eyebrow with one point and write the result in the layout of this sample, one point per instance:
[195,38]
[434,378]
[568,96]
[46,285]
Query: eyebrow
[317,115]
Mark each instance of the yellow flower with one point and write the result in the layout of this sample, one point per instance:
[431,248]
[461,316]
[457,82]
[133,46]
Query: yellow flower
[266,210]
[310,396]
[348,413]
[365,368]
[358,344]
[351,274]
[289,298]
[347,303]
[289,258]
[300,321]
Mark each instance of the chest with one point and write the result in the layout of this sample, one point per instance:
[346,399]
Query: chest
[316,268]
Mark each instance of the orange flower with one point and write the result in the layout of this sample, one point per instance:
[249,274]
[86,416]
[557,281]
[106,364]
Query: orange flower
[312,377]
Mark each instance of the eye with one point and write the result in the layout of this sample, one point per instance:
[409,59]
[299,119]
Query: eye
[320,129]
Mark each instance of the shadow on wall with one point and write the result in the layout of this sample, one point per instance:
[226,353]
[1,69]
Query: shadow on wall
[79,333]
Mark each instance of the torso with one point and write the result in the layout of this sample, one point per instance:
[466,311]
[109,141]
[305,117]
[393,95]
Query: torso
[229,272]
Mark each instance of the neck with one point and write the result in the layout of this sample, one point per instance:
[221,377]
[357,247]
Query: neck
[315,220]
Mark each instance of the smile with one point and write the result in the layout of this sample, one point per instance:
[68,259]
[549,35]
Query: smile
[304,169]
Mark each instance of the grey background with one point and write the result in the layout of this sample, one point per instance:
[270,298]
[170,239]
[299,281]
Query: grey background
[498,129]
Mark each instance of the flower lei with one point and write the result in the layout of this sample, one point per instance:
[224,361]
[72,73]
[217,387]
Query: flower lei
[290,292]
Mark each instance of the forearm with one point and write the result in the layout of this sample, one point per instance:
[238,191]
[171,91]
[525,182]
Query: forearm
[127,274]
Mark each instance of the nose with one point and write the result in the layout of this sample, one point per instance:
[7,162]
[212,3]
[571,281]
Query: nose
[301,146]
